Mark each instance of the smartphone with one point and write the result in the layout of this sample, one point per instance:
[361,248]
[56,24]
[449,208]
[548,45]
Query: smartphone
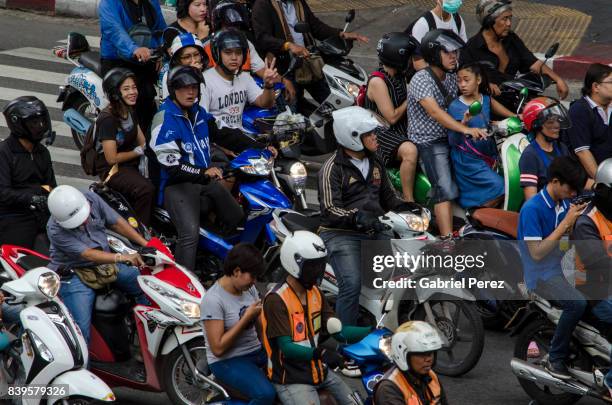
[584,198]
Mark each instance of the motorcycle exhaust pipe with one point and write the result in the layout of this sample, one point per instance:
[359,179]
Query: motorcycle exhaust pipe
[536,374]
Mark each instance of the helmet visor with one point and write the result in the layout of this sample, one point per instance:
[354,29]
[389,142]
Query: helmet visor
[449,44]
[38,126]
[555,113]
[233,17]
[312,271]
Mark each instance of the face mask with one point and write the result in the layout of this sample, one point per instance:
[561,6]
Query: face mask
[312,272]
[451,6]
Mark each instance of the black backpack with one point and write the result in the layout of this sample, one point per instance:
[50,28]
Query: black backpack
[431,22]
[93,161]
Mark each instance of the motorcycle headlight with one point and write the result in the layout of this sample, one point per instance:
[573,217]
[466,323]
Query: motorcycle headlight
[298,174]
[350,87]
[187,308]
[384,345]
[42,348]
[49,284]
[415,222]
[259,167]
[190,309]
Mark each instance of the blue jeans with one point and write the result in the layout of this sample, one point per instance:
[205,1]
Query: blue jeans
[235,372]
[10,313]
[299,394]
[603,312]
[79,299]
[572,303]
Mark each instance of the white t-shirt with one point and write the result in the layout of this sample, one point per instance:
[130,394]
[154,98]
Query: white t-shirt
[421,28]
[256,62]
[226,99]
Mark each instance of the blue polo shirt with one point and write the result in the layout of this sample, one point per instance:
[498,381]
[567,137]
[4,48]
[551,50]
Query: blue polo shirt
[537,220]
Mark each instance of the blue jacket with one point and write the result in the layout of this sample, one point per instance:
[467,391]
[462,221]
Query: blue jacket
[176,141]
[115,23]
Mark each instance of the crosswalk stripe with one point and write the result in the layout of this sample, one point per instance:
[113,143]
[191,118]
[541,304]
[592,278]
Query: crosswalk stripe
[68,156]
[81,184]
[36,54]
[32,75]
[93,40]
[60,128]
[49,99]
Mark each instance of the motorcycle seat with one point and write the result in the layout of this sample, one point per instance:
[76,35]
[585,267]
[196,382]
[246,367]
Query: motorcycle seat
[499,220]
[30,262]
[298,222]
[91,60]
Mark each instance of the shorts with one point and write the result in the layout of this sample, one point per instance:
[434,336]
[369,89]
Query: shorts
[436,163]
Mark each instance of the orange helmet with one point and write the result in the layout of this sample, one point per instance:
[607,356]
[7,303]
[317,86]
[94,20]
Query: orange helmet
[541,109]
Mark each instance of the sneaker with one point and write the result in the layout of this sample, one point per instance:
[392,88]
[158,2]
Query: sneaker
[351,370]
[533,351]
[557,369]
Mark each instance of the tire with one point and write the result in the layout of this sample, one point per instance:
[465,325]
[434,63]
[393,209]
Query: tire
[540,331]
[77,101]
[173,364]
[80,401]
[446,362]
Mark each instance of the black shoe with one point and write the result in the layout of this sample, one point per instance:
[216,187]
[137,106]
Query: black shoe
[558,369]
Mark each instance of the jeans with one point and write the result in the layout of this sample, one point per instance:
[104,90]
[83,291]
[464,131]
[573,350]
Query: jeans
[299,394]
[10,313]
[573,305]
[344,252]
[603,312]
[436,163]
[79,298]
[233,372]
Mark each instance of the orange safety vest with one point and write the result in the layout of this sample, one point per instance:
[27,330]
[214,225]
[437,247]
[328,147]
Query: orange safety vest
[604,226]
[410,395]
[305,327]
[246,66]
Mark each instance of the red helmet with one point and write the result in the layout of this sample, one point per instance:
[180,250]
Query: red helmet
[541,109]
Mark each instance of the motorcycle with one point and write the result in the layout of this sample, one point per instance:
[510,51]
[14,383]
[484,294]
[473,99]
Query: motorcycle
[429,304]
[51,355]
[589,358]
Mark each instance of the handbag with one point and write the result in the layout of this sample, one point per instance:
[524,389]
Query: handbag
[97,277]
[310,71]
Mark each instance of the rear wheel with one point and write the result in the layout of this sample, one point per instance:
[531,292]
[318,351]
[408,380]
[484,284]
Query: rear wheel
[84,107]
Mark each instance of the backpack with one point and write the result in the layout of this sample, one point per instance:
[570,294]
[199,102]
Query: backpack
[431,22]
[361,96]
[89,154]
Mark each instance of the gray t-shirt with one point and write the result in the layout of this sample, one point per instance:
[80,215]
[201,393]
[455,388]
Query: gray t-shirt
[422,128]
[220,305]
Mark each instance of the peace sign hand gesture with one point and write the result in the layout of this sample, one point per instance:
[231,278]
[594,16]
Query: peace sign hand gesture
[270,75]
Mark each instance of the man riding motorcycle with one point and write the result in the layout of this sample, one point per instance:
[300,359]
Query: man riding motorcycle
[295,314]
[26,174]
[354,190]
[412,381]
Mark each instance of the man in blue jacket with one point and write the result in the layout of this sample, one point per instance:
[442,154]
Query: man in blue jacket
[129,30]
[189,188]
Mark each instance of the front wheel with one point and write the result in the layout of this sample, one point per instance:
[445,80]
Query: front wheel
[178,380]
[461,325]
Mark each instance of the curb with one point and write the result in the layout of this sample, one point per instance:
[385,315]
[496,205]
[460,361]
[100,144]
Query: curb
[575,67]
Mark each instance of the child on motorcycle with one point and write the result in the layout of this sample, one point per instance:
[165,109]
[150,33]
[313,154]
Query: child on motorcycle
[123,143]
[230,311]
[475,160]
[412,381]
[295,315]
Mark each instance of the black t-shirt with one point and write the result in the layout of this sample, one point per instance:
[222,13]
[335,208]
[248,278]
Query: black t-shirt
[520,58]
[124,132]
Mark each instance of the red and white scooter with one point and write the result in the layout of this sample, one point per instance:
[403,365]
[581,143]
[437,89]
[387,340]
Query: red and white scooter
[167,334]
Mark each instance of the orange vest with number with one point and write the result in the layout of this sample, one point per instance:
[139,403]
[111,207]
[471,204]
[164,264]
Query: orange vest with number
[604,226]
[246,66]
[305,327]
[410,395]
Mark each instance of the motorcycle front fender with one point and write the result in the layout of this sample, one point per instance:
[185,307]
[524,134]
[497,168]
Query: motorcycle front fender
[181,336]
[81,383]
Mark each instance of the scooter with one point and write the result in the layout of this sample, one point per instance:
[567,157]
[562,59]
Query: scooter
[47,364]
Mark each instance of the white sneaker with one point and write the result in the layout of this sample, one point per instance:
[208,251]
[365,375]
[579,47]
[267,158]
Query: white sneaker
[351,370]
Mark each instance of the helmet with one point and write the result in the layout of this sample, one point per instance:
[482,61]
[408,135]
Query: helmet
[27,117]
[541,109]
[183,76]
[230,13]
[395,48]
[413,337]
[304,256]
[603,188]
[488,10]
[228,39]
[604,173]
[352,122]
[113,81]
[437,40]
[183,41]
[68,206]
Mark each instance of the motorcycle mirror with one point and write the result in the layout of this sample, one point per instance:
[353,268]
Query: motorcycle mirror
[514,125]
[550,52]
[524,92]
[350,16]
[475,108]
[334,325]
[77,43]
[301,28]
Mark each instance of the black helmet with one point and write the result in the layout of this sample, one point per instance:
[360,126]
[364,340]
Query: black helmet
[183,76]
[113,80]
[395,48]
[230,13]
[435,41]
[228,39]
[27,117]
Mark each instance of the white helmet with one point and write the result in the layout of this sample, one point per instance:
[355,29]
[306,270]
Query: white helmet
[413,337]
[304,256]
[68,206]
[352,122]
